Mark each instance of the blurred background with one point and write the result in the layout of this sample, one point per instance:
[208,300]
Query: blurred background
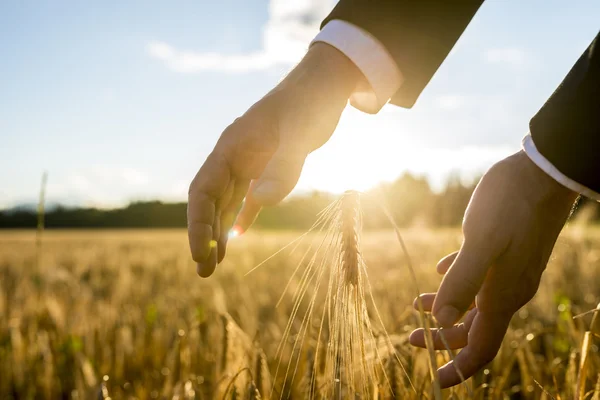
[121,102]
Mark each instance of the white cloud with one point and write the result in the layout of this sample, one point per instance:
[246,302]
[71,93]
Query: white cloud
[178,191]
[99,186]
[134,177]
[512,56]
[450,102]
[190,62]
[286,36]
[107,174]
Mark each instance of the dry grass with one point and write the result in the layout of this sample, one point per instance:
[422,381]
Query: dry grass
[121,314]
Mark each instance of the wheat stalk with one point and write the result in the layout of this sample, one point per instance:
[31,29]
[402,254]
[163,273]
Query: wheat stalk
[41,219]
[352,361]
[349,216]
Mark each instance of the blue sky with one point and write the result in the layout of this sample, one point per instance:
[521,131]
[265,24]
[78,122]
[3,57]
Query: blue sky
[121,101]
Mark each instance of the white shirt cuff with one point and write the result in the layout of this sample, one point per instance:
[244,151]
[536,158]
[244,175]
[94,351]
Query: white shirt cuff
[371,57]
[546,166]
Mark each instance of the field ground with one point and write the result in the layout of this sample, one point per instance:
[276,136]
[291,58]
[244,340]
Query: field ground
[123,314]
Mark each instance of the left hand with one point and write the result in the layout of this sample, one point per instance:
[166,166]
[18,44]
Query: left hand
[510,227]
[268,145]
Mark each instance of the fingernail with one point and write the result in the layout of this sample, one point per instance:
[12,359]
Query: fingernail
[447,316]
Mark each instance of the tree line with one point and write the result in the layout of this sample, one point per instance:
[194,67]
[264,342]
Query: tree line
[410,199]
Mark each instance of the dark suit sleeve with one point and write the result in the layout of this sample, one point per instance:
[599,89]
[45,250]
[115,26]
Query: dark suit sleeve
[566,130]
[418,34]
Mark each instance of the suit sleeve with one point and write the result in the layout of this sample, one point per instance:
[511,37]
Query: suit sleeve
[566,130]
[418,34]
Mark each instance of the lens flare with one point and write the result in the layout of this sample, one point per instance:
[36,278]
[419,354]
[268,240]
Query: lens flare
[235,231]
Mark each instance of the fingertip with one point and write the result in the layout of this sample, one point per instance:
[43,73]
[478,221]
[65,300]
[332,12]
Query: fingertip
[203,270]
[426,299]
[236,230]
[206,269]
[444,264]
[200,236]
[448,375]
[222,250]
[417,338]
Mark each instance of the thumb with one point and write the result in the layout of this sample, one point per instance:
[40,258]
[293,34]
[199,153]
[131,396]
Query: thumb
[462,283]
[280,176]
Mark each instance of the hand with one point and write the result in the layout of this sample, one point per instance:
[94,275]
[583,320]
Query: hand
[510,227]
[268,144]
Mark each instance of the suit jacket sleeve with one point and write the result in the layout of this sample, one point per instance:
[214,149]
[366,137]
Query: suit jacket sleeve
[418,34]
[566,130]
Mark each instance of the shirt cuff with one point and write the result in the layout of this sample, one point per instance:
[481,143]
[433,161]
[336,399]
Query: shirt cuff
[383,77]
[545,165]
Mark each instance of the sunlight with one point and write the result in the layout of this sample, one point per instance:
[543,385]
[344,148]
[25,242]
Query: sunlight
[235,231]
[362,153]
[365,151]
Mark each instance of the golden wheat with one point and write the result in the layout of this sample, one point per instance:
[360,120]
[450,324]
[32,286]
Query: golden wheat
[353,365]
[115,314]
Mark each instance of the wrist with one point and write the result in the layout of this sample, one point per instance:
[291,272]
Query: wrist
[336,64]
[325,70]
[547,187]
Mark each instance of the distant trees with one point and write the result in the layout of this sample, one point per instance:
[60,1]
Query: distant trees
[153,214]
[410,200]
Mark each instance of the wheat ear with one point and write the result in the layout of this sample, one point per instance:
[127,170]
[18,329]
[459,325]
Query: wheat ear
[349,211]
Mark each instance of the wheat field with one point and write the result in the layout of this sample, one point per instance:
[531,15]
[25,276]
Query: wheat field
[122,315]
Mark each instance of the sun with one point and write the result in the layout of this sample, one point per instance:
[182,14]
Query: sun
[363,152]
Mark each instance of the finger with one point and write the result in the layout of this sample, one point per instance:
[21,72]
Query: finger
[445,263]
[209,184]
[228,214]
[240,189]
[485,338]
[426,300]
[461,283]
[280,176]
[225,200]
[208,267]
[249,211]
[455,337]
[226,232]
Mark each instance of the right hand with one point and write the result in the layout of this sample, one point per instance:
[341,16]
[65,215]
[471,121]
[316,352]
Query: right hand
[266,146]
[511,224]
